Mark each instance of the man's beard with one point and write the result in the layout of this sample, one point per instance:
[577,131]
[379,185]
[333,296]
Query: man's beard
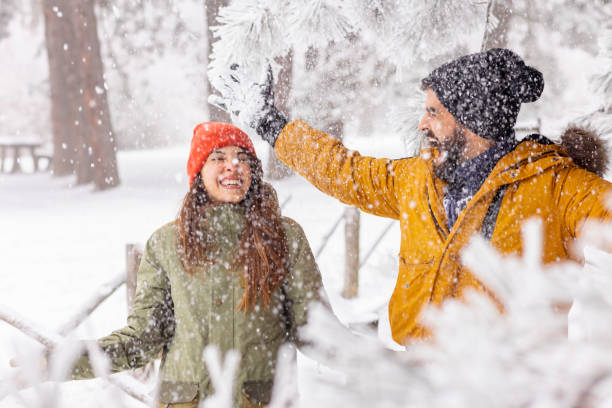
[451,153]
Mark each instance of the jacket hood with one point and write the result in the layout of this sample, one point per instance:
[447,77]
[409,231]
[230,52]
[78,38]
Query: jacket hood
[531,156]
[586,149]
[577,147]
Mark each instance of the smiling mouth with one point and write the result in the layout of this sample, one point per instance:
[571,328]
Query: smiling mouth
[230,183]
[429,142]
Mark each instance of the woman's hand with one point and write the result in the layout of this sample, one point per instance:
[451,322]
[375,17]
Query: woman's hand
[25,373]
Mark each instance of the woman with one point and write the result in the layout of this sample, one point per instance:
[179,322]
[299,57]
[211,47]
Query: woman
[228,271]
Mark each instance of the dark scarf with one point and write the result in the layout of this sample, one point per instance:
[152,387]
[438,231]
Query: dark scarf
[470,175]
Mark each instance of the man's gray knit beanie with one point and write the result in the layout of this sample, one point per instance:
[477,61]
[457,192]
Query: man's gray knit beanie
[484,91]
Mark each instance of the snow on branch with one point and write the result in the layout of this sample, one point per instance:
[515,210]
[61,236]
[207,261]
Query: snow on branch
[222,375]
[367,374]
[63,353]
[423,30]
[285,382]
[254,32]
[481,356]
[249,33]
[101,295]
[316,23]
[349,56]
[522,356]
[38,333]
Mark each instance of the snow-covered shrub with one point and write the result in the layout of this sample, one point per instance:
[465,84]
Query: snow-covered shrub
[480,357]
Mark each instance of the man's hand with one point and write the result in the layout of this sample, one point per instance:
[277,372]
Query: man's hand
[250,102]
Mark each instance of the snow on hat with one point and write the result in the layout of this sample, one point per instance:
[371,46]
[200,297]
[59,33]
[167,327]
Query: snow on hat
[208,136]
[484,91]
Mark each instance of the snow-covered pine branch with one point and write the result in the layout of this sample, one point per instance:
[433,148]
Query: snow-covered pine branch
[367,374]
[424,30]
[85,310]
[33,330]
[222,374]
[63,354]
[253,32]
[250,30]
[365,51]
[285,382]
[316,23]
[405,117]
[481,357]
[250,33]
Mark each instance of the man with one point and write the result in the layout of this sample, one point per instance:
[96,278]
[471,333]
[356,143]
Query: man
[473,178]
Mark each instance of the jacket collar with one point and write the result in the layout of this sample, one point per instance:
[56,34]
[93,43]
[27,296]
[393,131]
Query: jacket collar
[528,159]
[470,174]
[224,223]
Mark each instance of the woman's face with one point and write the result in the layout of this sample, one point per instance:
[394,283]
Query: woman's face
[227,174]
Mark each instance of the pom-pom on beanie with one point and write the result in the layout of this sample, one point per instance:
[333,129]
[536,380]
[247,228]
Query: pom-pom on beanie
[208,136]
[484,91]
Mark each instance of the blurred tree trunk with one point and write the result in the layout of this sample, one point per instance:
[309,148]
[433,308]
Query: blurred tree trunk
[83,137]
[7,10]
[63,81]
[212,10]
[334,126]
[99,151]
[529,42]
[282,88]
[351,258]
[496,35]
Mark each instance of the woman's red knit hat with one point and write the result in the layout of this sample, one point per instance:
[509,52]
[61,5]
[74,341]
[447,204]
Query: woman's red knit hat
[208,136]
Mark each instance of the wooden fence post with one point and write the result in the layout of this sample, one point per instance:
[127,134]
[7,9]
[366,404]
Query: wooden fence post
[133,255]
[351,258]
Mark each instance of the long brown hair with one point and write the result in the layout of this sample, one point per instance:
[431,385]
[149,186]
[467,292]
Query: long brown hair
[263,248]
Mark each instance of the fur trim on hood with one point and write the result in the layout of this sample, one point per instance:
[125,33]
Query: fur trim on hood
[586,148]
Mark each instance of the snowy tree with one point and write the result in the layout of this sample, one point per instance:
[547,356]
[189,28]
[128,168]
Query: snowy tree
[548,34]
[357,46]
[601,118]
[411,37]
[499,13]
[152,54]
[6,14]
[153,51]
[482,356]
[84,140]
[212,11]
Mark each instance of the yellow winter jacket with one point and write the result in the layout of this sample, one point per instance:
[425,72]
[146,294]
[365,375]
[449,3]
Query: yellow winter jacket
[541,181]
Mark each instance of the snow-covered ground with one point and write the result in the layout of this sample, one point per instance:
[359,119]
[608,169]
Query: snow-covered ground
[60,243]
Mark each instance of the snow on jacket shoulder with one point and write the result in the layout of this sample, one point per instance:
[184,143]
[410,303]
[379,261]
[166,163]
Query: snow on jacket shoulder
[179,314]
[538,180]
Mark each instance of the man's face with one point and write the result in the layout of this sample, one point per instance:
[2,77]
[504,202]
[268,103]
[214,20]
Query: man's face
[441,130]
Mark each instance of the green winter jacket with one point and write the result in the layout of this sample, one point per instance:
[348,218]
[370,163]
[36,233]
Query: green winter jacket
[180,314]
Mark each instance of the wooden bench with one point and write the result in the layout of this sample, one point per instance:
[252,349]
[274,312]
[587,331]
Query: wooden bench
[17,148]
